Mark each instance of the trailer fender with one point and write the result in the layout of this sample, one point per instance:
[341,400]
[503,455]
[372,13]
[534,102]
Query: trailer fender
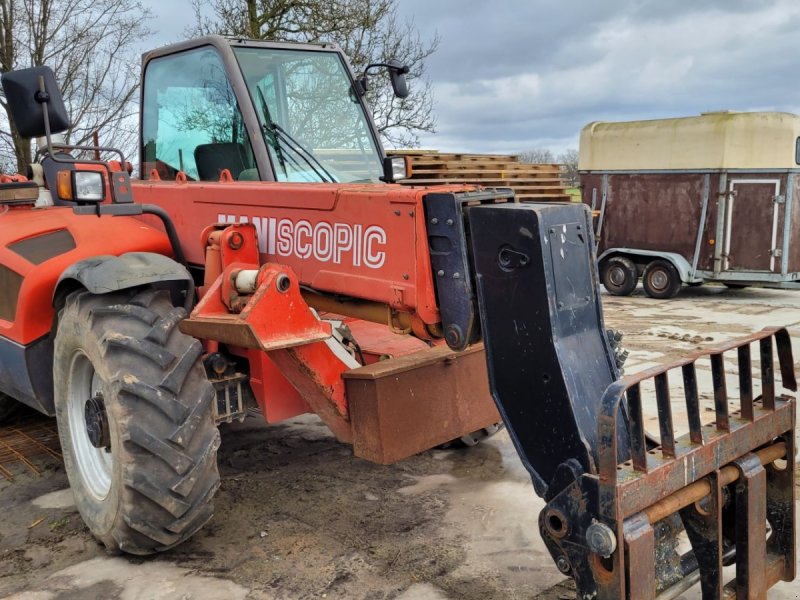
[679,262]
[106,274]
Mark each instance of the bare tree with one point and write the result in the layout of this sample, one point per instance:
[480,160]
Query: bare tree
[537,156]
[89,44]
[368,31]
[569,164]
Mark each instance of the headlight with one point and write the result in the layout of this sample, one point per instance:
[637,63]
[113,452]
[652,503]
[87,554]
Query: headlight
[81,186]
[395,168]
[88,186]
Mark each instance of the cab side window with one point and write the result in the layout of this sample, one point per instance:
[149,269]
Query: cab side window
[191,121]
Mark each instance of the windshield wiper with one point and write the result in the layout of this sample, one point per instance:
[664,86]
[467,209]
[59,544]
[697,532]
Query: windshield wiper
[278,134]
[305,154]
[268,129]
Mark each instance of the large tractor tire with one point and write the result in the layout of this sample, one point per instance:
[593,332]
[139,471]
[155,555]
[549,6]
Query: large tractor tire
[133,407]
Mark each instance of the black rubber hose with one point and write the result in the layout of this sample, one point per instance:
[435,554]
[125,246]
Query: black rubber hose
[169,227]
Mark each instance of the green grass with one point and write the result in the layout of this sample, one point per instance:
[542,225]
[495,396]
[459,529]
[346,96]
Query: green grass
[574,194]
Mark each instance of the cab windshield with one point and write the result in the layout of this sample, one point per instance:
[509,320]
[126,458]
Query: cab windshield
[312,122]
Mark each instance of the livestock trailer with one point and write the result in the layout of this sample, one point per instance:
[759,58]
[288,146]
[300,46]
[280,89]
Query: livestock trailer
[709,198]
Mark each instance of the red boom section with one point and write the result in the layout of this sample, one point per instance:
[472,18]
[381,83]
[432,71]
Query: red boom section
[364,241]
[38,244]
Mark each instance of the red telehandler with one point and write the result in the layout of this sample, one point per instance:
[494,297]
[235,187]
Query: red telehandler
[266,262]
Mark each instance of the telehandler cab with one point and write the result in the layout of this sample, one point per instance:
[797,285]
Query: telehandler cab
[265,262]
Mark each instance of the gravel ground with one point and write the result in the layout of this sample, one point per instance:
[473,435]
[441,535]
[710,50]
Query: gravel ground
[298,517]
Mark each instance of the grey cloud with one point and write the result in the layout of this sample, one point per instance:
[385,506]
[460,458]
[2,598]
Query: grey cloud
[514,74]
[511,75]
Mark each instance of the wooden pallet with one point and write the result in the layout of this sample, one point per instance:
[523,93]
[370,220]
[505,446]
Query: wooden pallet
[529,181]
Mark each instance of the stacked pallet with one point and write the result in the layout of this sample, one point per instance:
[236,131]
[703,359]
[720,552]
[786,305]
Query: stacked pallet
[529,181]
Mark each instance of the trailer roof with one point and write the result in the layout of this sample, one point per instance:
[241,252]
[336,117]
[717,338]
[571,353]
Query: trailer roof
[715,140]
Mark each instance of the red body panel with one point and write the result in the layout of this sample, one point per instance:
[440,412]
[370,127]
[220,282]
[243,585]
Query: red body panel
[366,241]
[94,236]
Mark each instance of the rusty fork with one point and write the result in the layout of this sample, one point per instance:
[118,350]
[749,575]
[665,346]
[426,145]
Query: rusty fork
[721,479]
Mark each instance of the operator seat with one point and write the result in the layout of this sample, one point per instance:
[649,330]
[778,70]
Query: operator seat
[211,159]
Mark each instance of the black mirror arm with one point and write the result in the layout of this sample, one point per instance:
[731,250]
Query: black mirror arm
[362,83]
[43,97]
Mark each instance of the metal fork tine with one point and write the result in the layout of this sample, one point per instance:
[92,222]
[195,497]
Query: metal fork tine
[767,374]
[638,442]
[665,415]
[720,392]
[692,403]
[746,382]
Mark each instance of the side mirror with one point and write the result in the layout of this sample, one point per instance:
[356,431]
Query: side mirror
[83,187]
[397,74]
[27,91]
[395,168]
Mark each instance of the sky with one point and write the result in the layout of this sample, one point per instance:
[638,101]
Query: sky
[513,75]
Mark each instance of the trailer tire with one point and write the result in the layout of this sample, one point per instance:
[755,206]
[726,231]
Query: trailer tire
[661,280]
[133,407]
[619,275]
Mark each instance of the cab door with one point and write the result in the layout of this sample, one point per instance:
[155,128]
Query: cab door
[751,224]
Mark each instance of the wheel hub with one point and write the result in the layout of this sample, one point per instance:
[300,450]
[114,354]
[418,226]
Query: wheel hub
[659,280]
[97,422]
[617,276]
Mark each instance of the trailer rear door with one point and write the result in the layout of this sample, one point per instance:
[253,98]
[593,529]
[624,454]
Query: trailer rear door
[751,225]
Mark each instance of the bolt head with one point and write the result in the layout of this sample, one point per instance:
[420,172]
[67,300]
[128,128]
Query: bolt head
[601,539]
[453,336]
[563,564]
[235,240]
[440,273]
[434,221]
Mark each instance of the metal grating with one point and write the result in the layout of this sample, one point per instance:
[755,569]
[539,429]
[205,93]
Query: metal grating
[28,445]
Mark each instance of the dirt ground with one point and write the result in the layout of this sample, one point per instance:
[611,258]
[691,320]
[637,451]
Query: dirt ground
[297,517]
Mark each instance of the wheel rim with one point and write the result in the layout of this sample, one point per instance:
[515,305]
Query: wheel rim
[659,280]
[616,275]
[94,464]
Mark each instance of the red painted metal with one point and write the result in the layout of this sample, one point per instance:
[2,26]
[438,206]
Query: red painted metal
[94,236]
[379,250]
[270,319]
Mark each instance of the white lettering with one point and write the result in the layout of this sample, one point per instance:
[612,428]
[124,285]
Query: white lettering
[303,248]
[326,242]
[260,224]
[342,241]
[271,238]
[374,258]
[323,241]
[285,246]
